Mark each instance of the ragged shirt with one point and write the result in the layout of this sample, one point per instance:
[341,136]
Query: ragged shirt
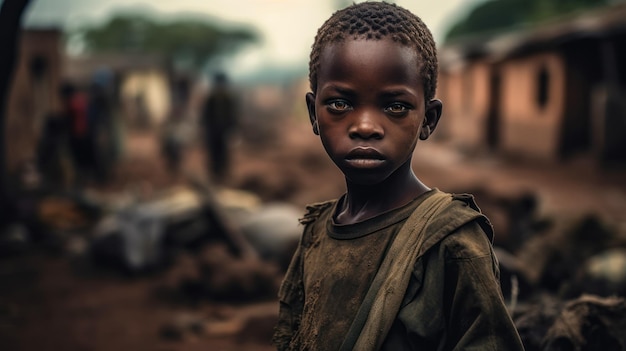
[453,301]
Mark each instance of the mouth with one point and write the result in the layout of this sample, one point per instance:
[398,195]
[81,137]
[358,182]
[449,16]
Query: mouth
[364,157]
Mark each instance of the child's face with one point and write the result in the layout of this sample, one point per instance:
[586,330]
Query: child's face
[369,107]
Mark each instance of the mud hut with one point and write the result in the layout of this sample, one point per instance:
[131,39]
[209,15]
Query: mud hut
[33,91]
[548,93]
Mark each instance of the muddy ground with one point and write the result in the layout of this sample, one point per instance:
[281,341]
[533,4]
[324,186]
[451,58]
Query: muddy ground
[55,301]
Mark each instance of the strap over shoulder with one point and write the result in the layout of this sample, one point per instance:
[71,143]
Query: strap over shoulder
[383,299]
[462,210]
[436,217]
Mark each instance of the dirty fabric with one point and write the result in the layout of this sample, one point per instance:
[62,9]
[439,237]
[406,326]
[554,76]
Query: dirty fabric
[453,300]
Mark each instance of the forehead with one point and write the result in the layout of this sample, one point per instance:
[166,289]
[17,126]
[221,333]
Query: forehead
[380,59]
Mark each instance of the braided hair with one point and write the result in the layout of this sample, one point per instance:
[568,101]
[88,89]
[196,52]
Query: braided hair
[375,21]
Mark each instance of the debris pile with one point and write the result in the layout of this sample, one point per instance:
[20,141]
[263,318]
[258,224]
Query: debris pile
[564,278]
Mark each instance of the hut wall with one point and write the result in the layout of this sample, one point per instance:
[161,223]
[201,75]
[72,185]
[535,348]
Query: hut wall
[33,92]
[532,109]
[465,96]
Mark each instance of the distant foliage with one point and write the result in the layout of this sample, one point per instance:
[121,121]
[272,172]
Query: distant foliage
[193,39]
[493,16]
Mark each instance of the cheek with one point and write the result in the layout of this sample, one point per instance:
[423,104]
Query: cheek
[411,129]
[328,127]
[330,137]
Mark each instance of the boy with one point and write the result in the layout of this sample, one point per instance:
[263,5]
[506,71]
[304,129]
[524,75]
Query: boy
[392,264]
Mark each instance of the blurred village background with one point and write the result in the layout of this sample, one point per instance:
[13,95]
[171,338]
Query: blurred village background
[133,218]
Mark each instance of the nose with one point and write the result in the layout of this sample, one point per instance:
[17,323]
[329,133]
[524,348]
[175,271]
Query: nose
[366,126]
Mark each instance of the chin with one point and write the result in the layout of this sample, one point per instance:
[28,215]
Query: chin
[366,179]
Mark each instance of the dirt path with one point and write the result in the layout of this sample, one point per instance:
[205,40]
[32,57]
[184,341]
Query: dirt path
[565,189]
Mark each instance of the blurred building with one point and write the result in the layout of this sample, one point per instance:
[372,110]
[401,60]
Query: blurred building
[548,93]
[141,83]
[33,93]
[271,95]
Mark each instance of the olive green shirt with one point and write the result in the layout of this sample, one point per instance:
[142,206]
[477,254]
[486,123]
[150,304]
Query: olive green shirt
[453,301]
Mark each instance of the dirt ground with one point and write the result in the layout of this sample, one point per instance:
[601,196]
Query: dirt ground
[52,301]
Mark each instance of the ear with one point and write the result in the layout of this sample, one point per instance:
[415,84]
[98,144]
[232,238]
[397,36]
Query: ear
[310,104]
[431,118]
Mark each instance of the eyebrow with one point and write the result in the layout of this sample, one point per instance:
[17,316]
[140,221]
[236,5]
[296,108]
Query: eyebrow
[396,92]
[389,94]
[339,89]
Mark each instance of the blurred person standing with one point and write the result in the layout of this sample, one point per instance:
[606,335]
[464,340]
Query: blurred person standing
[74,109]
[100,130]
[219,119]
[53,158]
[175,132]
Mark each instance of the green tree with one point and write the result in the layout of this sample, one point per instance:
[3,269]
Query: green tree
[193,39]
[494,16]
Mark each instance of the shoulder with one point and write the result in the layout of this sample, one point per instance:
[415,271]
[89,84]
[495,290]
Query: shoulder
[315,210]
[456,214]
[314,221]
[461,229]
[467,242]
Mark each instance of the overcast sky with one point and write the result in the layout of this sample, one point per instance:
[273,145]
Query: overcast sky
[286,26]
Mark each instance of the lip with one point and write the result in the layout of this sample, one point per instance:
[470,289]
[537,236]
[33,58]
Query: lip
[364,157]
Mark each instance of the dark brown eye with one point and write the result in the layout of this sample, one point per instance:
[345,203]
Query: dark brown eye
[339,105]
[396,109]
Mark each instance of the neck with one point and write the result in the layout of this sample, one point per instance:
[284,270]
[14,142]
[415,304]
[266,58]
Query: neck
[366,201]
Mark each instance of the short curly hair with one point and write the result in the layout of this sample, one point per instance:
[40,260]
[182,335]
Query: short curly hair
[377,20]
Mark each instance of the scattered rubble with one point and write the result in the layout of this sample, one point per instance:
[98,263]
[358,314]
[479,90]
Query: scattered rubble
[589,323]
[225,277]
